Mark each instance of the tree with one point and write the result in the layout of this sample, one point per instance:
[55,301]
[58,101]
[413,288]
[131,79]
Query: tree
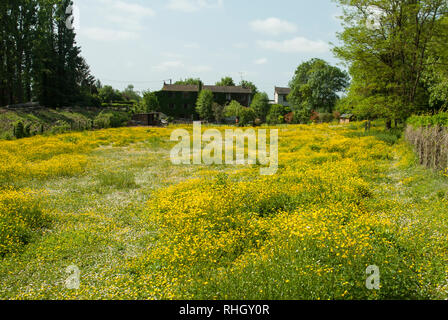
[130,95]
[388,62]
[218,112]
[226,82]
[39,57]
[190,81]
[233,109]
[204,105]
[315,86]
[107,94]
[260,105]
[249,85]
[150,102]
[276,114]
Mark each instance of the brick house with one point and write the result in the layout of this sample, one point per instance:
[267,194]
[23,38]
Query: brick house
[179,101]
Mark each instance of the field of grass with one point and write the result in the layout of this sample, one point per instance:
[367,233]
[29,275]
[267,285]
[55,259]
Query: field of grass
[138,227]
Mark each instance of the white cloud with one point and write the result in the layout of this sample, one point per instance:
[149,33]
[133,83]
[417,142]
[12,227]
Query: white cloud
[240,45]
[261,61]
[194,5]
[170,65]
[102,34]
[192,45]
[296,45]
[180,65]
[273,26]
[124,15]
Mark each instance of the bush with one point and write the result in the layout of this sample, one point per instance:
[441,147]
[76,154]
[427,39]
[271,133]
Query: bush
[440,119]
[247,117]
[60,127]
[276,114]
[111,119]
[20,216]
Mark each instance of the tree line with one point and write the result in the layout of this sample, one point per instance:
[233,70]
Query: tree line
[39,58]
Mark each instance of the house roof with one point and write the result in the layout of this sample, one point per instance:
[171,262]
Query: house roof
[227,89]
[280,90]
[195,88]
[180,88]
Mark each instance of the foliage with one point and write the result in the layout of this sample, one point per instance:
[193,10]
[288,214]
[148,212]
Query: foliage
[440,119]
[276,114]
[204,105]
[20,216]
[107,94]
[40,60]
[233,109]
[190,81]
[315,86]
[111,119]
[249,85]
[260,105]
[226,81]
[246,117]
[150,102]
[389,62]
[129,94]
[218,112]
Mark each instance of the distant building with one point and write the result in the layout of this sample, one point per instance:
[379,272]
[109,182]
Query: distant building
[179,101]
[281,96]
[346,118]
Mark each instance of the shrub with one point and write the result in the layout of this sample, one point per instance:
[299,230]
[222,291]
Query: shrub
[60,126]
[20,216]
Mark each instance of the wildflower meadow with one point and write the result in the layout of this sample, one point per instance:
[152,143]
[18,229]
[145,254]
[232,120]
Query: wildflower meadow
[136,226]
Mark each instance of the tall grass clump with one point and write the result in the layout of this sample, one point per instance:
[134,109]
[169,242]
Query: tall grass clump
[429,136]
[20,216]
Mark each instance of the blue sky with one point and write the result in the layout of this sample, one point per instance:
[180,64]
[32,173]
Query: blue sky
[143,42]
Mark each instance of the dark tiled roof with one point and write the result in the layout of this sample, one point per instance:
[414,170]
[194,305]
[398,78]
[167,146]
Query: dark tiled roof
[282,90]
[180,88]
[228,89]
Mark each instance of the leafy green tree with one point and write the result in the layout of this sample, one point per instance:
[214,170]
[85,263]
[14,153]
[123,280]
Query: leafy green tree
[233,109]
[226,82]
[190,81]
[130,94]
[218,112]
[107,94]
[315,86]
[260,105]
[150,102]
[204,105]
[388,62]
[276,114]
[246,117]
[249,85]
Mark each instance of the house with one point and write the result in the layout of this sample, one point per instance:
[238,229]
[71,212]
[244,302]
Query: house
[179,101]
[281,96]
[346,118]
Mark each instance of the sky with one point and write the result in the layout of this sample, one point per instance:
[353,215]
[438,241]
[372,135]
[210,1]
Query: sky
[144,42]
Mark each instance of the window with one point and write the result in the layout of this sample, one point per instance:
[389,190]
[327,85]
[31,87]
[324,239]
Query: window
[285,98]
[172,106]
[186,95]
[229,96]
[186,106]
